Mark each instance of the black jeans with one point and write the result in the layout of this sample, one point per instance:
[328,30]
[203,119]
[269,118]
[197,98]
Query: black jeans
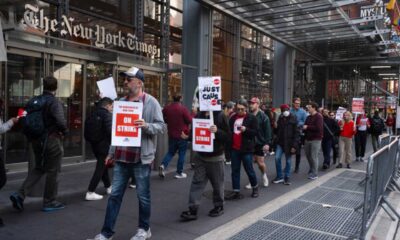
[327,145]
[47,162]
[360,142]
[101,172]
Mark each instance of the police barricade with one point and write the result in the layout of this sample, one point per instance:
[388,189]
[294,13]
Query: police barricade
[381,168]
[384,140]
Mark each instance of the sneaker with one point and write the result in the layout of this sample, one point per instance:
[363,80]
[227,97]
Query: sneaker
[100,237]
[132,186]
[265,180]
[324,167]
[278,180]
[361,159]
[189,215]
[254,194]
[180,175]
[339,165]
[286,181]
[234,196]
[348,166]
[228,162]
[109,190]
[142,234]
[216,211]
[272,153]
[54,206]
[248,186]
[161,172]
[17,201]
[92,196]
[313,177]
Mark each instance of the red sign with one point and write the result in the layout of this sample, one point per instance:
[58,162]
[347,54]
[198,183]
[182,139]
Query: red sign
[214,102]
[126,125]
[216,81]
[358,105]
[202,136]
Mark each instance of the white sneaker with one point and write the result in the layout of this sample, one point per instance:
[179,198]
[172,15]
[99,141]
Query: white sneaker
[248,186]
[180,175]
[92,196]
[109,190]
[100,237]
[132,186]
[265,180]
[272,153]
[142,234]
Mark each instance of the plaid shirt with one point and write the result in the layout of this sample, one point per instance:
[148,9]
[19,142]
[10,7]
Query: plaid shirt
[127,154]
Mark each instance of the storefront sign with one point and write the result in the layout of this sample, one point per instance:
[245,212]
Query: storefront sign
[124,130]
[371,10]
[357,105]
[202,139]
[35,18]
[210,93]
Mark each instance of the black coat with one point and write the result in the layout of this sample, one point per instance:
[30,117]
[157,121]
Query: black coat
[106,117]
[248,136]
[287,133]
[333,127]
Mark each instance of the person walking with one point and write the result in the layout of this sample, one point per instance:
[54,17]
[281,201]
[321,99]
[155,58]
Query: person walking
[314,131]
[347,131]
[301,116]
[48,152]
[287,141]
[390,123]
[377,127]
[330,130]
[178,119]
[98,134]
[227,111]
[209,167]
[335,144]
[263,139]
[360,138]
[244,131]
[134,161]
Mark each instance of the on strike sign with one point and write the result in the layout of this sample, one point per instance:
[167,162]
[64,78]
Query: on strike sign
[202,139]
[357,105]
[124,131]
[210,93]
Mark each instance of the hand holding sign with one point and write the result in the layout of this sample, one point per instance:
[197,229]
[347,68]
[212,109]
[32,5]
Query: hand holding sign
[141,123]
[213,129]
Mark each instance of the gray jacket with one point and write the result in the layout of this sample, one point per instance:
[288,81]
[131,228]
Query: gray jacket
[153,116]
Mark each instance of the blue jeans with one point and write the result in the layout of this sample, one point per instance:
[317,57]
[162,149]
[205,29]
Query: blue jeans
[278,156]
[122,173]
[247,159]
[174,145]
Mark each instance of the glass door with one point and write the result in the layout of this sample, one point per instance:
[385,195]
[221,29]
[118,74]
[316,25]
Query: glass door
[69,73]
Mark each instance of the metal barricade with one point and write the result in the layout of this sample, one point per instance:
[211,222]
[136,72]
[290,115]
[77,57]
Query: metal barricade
[381,169]
[384,140]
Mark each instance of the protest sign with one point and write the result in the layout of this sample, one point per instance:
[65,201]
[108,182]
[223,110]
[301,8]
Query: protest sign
[210,93]
[357,106]
[339,113]
[107,88]
[202,139]
[124,130]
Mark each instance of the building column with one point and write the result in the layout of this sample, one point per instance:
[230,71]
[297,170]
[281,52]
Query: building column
[283,74]
[320,77]
[197,46]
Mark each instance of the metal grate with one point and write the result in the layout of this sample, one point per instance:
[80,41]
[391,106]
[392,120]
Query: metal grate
[352,226]
[315,194]
[258,231]
[289,211]
[286,232]
[334,182]
[342,199]
[352,185]
[320,218]
[352,175]
[309,235]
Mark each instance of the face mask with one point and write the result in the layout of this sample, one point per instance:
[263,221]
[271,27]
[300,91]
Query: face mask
[286,113]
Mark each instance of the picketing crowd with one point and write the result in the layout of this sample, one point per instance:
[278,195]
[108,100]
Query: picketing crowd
[244,132]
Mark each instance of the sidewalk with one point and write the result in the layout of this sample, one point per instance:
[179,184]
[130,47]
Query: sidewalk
[82,219]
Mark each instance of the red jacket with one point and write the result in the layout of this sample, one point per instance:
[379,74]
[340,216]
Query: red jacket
[177,118]
[348,129]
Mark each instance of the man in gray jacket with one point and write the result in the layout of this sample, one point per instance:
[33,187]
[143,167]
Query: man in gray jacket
[134,162]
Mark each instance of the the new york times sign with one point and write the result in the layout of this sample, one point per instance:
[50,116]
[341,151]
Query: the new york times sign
[35,18]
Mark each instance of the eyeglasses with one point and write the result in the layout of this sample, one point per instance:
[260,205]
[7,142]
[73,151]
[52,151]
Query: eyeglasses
[240,109]
[331,115]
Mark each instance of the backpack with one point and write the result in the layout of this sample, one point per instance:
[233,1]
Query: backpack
[377,126]
[33,125]
[94,128]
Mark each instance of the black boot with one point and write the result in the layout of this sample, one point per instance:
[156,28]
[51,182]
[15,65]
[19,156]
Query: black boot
[254,194]
[189,215]
[1,222]
[216,211]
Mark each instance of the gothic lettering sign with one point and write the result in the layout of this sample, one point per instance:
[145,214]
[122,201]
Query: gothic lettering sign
[35,18]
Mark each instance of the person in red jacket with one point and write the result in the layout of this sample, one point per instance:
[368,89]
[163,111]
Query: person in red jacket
[347,131]
[178,119]
[389,124]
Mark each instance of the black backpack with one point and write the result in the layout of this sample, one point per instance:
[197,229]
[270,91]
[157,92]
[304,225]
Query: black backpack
[377,126]
[33,125]
[94,128]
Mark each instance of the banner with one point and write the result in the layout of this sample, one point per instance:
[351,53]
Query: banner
[210,93]
[124,130]
[340,112]
[202,140]
[357,105]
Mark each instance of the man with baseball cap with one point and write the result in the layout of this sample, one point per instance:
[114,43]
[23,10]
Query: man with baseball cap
[134,162]
[286,143]
[263,139]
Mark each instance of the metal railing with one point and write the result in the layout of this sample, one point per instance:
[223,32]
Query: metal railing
[382,170]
